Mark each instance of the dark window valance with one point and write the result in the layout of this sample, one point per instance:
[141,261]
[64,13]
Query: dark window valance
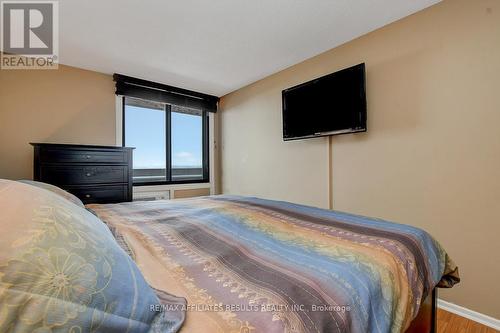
[157,92]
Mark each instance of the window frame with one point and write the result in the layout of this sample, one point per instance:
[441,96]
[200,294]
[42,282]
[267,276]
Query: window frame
[168,141]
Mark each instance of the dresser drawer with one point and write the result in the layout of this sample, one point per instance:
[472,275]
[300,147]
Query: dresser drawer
[55,155]
[81,174]
[100,194]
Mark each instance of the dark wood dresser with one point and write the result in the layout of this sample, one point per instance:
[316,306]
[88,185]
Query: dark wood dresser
[95,174]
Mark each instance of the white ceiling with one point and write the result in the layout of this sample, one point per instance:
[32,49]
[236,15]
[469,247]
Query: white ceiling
[213,46]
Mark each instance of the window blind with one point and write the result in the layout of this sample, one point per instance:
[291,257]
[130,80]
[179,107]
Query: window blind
[157,92]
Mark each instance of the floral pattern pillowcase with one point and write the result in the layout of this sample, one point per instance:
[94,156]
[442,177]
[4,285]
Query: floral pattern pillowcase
[61,271]
[57,190]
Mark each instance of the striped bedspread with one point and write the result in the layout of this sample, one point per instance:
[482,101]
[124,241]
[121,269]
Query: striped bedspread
[253,265]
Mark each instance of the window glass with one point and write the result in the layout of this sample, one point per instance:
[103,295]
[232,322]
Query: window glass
[187,144]
[161,133]
[145,130]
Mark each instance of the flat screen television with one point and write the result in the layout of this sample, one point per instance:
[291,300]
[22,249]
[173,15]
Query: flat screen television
[330,105]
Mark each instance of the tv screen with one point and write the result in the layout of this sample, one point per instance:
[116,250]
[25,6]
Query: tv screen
[333,104]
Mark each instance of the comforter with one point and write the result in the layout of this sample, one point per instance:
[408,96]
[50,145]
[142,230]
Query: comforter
[254,265]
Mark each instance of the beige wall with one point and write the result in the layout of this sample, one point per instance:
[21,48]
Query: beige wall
[67,105]
[254,158]
[431,156]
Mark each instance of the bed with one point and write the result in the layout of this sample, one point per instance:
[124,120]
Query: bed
[228,264]
[250,264]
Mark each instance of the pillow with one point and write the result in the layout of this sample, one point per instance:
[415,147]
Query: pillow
[57,190]
[62,271]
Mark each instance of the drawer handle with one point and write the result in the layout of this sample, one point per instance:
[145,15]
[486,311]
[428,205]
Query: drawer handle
[88,174]
[88,157]
[87,195]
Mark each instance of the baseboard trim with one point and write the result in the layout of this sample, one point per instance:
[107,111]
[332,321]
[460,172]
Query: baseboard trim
[469,314]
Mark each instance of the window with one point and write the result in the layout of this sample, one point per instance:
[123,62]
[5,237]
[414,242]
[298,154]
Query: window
[171,142]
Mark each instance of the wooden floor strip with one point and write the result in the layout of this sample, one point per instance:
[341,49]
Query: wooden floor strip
[448,322]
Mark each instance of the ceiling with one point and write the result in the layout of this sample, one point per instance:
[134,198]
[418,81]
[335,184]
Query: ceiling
[214,46]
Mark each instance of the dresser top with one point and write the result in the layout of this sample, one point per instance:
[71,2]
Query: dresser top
[74,146]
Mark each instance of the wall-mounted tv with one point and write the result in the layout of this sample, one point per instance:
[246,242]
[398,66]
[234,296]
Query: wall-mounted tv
[330,105]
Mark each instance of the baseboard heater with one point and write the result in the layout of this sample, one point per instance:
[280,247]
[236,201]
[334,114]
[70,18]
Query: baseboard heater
[151,195]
